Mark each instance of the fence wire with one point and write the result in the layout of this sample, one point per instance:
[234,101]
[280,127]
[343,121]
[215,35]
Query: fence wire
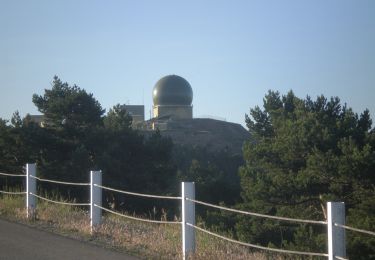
[138,194]
[257,246]
[355,229]
[135,218]
[60,182]
[341,258]
[13,192]
[258,214]
[61,202]
[12,175]
[177,222]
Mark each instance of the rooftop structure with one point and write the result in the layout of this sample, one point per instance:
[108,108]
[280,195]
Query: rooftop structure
[172,96]
[137,112]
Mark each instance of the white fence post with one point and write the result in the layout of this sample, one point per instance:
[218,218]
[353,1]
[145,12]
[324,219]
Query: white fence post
[30,188]
[336,235]
[95,198]
[188,216]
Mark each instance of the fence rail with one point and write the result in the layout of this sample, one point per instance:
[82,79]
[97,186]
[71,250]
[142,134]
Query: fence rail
[13,192]
[257,246]
[12,175]
[336,218]
[60,202]
[258,214]
[60,182]
[341,258]
[355,229]
[138,194]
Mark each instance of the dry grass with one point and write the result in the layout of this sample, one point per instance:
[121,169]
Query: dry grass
[12,207]
[145,240]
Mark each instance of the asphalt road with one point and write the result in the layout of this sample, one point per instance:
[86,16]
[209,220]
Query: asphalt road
[19,241]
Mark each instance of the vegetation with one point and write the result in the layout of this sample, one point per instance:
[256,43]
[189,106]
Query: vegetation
[303,153]
[77,137]
[306,153]
[149,241]
[214,173]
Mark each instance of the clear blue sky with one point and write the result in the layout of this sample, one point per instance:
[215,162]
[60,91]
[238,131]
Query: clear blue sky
[231,52]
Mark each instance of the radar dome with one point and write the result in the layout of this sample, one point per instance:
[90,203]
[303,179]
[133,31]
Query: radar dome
[172,90]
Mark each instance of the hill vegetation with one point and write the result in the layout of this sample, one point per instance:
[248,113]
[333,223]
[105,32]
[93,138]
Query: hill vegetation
[306,153]
[301,154]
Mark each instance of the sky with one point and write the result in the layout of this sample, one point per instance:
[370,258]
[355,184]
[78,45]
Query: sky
[231,52]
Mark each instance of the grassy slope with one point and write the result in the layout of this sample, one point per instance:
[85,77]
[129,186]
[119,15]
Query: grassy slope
[160,241]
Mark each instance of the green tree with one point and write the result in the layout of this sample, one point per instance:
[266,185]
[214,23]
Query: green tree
[303,154]
[71,119]
[19,144]
[214,173]
[79,139]
[118,118]
[68,106]
[76,138]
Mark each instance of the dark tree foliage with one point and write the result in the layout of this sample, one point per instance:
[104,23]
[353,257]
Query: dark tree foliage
[65,105]
[9,157]
[216,181]
[138,164]
[17,142]
[306,153]
[118,119]
[214,173]
[76,137]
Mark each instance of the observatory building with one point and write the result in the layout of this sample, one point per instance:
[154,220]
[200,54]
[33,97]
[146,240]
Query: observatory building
[172,97]
[173,116]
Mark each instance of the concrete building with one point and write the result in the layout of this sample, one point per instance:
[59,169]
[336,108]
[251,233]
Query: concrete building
[137,112]
[173,116]
[38,119]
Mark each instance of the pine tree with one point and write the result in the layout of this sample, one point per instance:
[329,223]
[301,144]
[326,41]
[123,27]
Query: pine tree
[303,154]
